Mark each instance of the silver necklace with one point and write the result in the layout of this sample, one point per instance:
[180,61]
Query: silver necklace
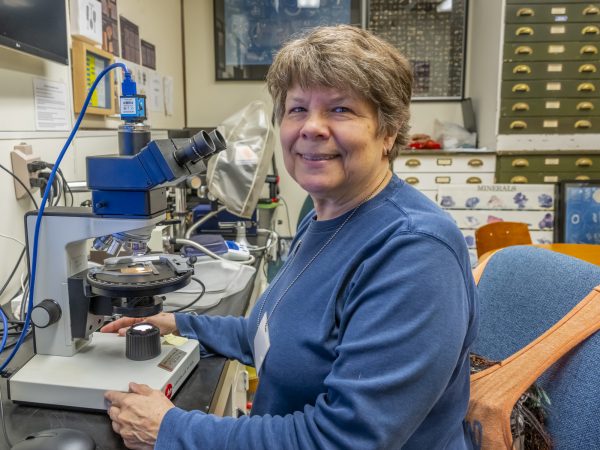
[295,251]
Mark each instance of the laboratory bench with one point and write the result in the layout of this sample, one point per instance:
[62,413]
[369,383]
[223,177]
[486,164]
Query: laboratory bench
[207,389]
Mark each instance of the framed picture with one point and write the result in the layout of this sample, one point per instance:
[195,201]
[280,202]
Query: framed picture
[432,35]
[88,61]
[578,212]
[249,33]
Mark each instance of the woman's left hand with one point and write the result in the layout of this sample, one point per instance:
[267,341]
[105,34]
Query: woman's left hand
[137,415]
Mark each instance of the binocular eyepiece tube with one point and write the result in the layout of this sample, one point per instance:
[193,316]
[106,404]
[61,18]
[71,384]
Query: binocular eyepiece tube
[200,146]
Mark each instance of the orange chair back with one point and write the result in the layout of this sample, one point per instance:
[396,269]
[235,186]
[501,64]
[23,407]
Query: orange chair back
[497,235]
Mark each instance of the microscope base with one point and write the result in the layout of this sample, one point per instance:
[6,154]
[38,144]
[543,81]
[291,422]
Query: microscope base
[80,381]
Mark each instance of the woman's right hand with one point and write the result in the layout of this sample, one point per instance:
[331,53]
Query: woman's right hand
[165,322]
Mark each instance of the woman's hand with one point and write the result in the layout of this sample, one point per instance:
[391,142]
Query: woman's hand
[165,322]
[137,415]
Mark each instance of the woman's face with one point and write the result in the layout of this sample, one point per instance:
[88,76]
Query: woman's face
[330,144]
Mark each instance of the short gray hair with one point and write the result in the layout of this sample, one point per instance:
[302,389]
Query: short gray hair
[344,57]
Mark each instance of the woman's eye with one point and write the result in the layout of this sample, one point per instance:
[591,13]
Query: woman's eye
[341,109]
[296,109]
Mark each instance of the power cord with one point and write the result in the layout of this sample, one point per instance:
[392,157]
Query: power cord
[189,305]
[22,185]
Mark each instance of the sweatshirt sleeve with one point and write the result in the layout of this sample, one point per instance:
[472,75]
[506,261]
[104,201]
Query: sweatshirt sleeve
[403,323]
[226,336]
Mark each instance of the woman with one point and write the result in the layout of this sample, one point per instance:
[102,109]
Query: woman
[362,339]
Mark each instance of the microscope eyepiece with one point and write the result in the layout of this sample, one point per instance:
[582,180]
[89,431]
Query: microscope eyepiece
[218,140]
[198,147]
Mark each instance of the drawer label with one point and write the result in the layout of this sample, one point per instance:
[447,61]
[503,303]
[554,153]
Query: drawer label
[550,123]
[444,161]
[555,67]
[556,49]
[442,180]
[553,105]
[553,86]
[551,161]
[561,18]
[558,10]
[551,179]
[557,29]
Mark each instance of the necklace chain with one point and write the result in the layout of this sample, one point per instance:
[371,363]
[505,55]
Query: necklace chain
[323,247]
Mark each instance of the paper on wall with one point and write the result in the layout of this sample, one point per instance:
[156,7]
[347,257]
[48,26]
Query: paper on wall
[51,111]
[168,94]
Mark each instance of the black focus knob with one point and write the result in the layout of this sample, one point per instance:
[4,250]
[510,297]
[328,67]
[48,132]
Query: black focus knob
[45,313]
[142,342]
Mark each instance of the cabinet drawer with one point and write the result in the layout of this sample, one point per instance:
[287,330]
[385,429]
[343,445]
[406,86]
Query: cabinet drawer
[557,107]
[549,125]
[535,220]
[430,181]
[552,32]
[549,163]
[576,70]
[545,177]
[497,196]
[551,89]
[557,51]
[445,163]
[532,12]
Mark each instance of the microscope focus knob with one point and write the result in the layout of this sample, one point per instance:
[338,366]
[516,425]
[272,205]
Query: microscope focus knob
[45,313]
[142,342]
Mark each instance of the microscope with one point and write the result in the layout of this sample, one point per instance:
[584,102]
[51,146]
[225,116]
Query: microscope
[73,364]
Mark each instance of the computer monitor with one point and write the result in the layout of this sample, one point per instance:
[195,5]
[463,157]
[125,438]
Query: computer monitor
[577,218]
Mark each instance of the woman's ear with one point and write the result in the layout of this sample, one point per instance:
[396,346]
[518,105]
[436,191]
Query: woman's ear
[388,143]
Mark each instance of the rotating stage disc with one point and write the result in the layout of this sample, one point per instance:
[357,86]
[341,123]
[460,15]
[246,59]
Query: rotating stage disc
[131,277]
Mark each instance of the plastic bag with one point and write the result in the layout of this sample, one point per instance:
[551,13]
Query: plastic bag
[452,135]
[237,175]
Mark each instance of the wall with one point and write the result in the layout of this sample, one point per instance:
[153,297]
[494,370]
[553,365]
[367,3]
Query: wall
[160,24]
[209,101]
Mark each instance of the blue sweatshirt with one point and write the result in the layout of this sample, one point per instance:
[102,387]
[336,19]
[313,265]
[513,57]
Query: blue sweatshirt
[368,347]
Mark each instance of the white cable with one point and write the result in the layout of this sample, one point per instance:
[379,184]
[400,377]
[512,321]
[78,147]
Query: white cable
[12,239]
[195,225]
[211,254]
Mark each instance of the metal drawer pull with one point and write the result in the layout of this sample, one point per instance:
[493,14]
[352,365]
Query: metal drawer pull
[584,162]
[476,162]
[523,50]
[582,178]
[590,29]
[587,68]
[412,180]
[583,124]
[520,107]
[518,125]
[520,162]
[473,180]
[522,68]
[525,31]
[586,87]
[591,11]
[413,162]
[518,179]
[589,50]
[521,87]
[528,12]
[585,106]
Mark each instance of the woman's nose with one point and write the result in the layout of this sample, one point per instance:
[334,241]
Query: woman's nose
[315,126]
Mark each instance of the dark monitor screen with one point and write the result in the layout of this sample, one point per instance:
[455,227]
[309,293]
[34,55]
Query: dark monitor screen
[38,27]
[578,212]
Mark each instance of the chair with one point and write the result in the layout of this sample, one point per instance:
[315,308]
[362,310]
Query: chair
[524,291]
[499,235]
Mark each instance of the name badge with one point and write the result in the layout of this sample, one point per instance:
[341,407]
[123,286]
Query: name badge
[261,343]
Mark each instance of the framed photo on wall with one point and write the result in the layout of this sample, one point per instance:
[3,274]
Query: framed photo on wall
[88,61]
[248,33]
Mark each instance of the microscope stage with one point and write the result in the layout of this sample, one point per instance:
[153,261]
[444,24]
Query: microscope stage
[80,381]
